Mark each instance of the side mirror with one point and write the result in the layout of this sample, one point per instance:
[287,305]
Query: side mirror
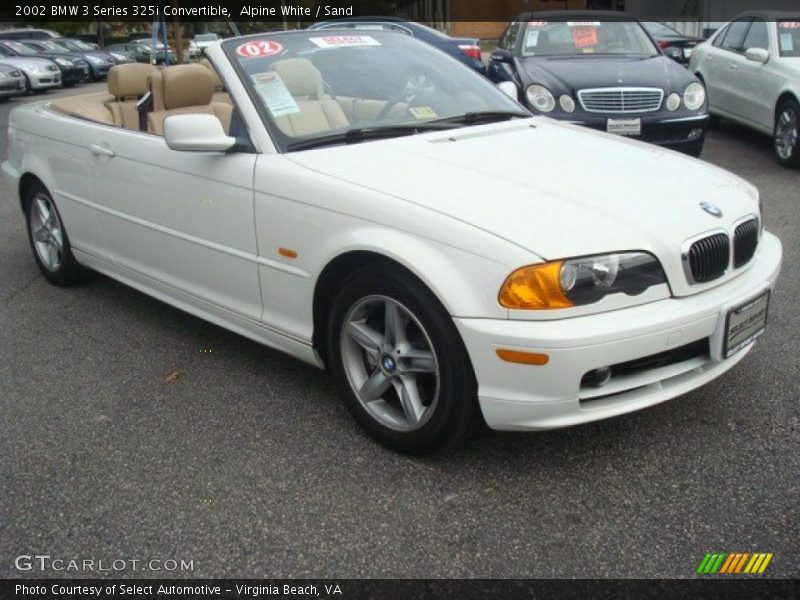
[509,88]
[503,56]
[673,53]
[196,133]
[758,55]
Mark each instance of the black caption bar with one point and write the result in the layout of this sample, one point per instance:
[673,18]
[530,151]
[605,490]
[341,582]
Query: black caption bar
[400,589]
[307,11]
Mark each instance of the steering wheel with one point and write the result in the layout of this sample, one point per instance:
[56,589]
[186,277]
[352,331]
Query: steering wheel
[414,85]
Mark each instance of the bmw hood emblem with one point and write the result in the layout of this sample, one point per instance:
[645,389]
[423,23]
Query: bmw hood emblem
[711,209]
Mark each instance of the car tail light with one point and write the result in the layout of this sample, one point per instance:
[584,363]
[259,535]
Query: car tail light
[663,44]
[471,50]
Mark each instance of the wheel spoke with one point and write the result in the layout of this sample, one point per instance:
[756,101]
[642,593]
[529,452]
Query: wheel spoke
[44,210]
[418,361]
[57,239]
[375,386]
[394,324]
[52,256]
[366,337]
[410,400]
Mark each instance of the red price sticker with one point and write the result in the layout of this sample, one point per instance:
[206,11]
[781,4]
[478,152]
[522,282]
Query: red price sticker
[584,37]
[258,48]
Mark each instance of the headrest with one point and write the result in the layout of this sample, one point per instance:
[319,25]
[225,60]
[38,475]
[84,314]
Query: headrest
[184,85]
[218,85]
[300,76]
[128,80]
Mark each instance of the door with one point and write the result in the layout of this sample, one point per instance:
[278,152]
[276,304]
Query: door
[759,85]
[728,59]
[179,219]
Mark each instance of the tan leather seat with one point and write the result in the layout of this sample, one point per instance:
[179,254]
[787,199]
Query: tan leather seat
[184,90]
[318,112]
[127,83]
[220,95]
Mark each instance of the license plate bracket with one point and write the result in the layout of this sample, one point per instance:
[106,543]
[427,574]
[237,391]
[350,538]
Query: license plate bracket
[624,126]
[745,323]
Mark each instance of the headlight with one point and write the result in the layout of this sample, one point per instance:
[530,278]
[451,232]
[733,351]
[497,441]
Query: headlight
[95,60]
[540,98]
[580,281]
[567,103]
[695,96]
[64,62]
[673,102]
[119,56]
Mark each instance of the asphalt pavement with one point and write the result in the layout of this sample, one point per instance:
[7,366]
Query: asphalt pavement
[130,430]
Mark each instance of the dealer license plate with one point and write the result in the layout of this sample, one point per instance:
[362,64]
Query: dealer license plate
[624,126]
[745,323]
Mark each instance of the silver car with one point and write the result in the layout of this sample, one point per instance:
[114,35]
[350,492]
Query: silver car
[40,73]
[12,82]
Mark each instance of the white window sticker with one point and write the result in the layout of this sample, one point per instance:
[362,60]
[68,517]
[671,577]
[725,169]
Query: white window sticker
[275,94]
[787,43]
[532,39]
[338,41]
[422,112]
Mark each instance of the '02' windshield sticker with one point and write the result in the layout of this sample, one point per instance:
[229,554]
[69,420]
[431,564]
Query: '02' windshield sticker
[339,41]
[258,49]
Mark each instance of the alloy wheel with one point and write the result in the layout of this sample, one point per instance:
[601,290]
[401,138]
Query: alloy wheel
[47,232]
[786,133]
[390,363]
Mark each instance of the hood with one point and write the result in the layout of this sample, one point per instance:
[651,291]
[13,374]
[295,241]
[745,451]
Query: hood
[555,189]
[567,75]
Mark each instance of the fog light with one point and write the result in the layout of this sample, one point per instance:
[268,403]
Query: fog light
[695,134]
[597,378]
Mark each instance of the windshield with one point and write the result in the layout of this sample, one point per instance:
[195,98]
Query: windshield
[21,48]
[789,38]
[313,84]
[68,44]
[81,45]
[206,37]
[660,29]
[48,46]
[580,38]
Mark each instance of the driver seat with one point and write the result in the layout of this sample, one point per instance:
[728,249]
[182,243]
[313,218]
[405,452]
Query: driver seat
[318,112]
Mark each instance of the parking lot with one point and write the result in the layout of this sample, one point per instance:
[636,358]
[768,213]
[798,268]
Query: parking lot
[131,430]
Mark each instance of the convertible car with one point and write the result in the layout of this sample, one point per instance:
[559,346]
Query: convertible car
[370,205]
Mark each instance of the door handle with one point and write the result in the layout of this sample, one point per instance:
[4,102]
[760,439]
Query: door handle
[99,150]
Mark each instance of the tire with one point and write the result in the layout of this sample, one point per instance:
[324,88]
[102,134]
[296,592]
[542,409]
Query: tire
[48,239]
[445,406]
[28,87]
[786,136]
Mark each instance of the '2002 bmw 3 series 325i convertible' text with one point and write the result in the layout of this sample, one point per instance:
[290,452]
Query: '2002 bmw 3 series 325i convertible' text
[327,203]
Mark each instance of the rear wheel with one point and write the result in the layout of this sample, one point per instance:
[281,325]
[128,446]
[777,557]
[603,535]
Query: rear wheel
[399,362]
[48,239]
[787,133]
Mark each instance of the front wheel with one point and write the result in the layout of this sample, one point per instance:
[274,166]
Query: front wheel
[48,239]
[787,134]
[400,364]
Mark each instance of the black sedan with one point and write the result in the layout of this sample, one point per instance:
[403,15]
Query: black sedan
[677,46]
[602,70]
[73,70]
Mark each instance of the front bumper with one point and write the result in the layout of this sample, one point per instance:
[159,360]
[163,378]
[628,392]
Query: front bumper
[12,87]
[523,397]
[73,75]
[682,133]
[46,80]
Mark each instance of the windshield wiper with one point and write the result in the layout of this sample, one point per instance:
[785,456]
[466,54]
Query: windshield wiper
[362,134]
[486,116]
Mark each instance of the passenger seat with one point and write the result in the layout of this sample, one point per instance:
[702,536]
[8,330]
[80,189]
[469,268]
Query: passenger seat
[318,112]
[127,83]
[184,90]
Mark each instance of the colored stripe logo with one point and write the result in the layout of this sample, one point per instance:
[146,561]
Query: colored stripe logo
[734,563]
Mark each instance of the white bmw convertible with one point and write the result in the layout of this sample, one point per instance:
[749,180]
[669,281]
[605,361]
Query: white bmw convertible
[370,205]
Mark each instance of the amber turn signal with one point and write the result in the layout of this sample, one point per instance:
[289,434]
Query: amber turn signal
[536,287]
[523,358]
